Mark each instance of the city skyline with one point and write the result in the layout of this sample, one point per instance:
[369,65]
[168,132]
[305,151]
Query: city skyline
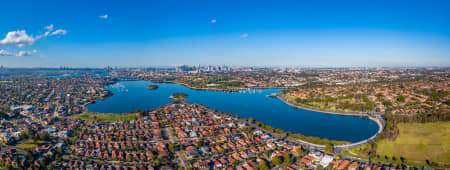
[225,84]
[250,33]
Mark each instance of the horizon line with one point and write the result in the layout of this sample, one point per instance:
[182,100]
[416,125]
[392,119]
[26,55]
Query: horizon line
[232,66]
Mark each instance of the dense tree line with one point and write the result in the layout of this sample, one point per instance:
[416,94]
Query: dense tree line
[436,98]
[424,118]
[179,96]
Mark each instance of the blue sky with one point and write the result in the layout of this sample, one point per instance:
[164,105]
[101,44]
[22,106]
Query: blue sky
[88,33]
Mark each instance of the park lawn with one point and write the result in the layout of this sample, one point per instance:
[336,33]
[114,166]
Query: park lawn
[353,154]
[292,98]
[356,152]
[32,141]
[27,145]
[106,117]
[418,142]
[321,105]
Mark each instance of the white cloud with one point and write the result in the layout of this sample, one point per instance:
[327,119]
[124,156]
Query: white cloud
[20,54]
[26,53]
[213,21]
[59,32]
[5,53]
[49,28]
[244,35]
[19,38]
[50,33]
[104,16]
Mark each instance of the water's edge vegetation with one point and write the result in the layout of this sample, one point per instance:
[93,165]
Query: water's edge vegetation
[282,134]
[320,140]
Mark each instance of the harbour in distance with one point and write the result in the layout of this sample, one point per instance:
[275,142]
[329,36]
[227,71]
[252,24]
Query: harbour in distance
[224,85]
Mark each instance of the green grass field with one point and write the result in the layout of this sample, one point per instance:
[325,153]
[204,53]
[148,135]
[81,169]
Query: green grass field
[34,141]
[417,142]
[30,143]
[26,146]
[355,152]
[106,117]
[321,105]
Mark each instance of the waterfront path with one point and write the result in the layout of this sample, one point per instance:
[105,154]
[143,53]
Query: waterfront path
[375,116]
[346,113]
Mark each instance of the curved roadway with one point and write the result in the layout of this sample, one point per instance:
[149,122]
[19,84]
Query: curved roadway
[377,117]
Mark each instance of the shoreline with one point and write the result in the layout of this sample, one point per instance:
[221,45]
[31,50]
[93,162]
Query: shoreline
[216,89]
[291,103]
[378,120]
[310,108]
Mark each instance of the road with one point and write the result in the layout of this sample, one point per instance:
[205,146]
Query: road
[338,148]
[375,116]
[177,153]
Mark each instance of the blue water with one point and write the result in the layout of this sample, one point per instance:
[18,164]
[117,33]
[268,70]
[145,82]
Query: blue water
[131,95]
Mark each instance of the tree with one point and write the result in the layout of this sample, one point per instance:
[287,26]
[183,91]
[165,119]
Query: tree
[402,159]
[263,166]
[179,96]
[287,159]
[401,98]
[300,151]
[43,162]
[44,136]
[171,146]
[329,148]
[276,161]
